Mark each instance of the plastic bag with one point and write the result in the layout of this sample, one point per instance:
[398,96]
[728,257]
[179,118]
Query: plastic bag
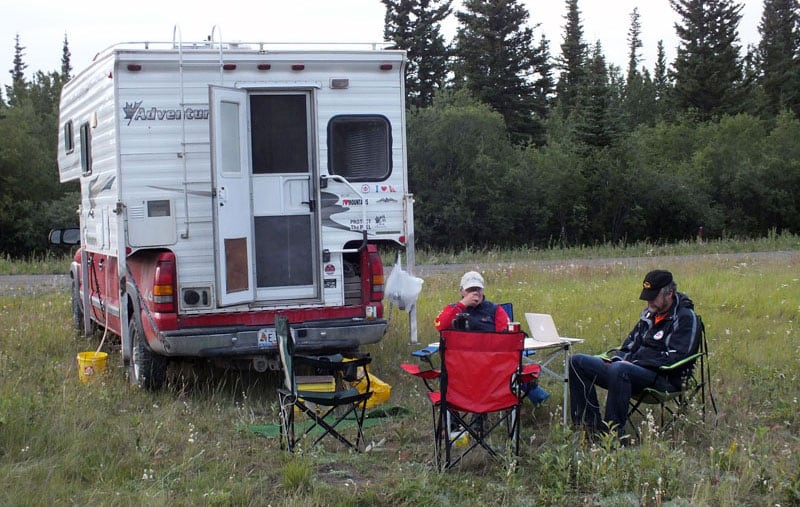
[402,289]
[380,389]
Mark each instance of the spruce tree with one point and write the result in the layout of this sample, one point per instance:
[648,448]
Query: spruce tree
[708,69]
[639,94]
[596,125]
[662,86]
[660,72]
[66,66]
[16,90]
[497,60]
[778,55]
[544,86]
[415,25]
[573,60]
[634,44]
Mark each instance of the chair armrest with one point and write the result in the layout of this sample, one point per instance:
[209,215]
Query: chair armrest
[426,352]
[530,372]
[609,355]
[678,365]
[414,369]
[335,362]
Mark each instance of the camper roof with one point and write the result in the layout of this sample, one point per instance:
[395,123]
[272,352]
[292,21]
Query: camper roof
[244,47]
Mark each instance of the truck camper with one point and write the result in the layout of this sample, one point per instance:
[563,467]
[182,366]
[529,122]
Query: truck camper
[225,184]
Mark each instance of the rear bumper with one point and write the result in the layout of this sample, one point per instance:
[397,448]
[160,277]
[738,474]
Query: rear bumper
[320,336]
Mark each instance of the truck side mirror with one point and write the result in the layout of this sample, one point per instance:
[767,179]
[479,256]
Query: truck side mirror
[65,236]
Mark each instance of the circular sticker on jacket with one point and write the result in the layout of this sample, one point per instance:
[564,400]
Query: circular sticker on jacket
[659,335]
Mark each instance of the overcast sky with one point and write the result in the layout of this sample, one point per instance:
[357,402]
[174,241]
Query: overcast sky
[93,25]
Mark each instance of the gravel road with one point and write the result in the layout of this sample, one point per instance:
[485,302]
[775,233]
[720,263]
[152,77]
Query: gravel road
[13,285]
[16,285]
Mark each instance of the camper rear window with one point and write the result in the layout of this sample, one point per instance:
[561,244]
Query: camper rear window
[360,147]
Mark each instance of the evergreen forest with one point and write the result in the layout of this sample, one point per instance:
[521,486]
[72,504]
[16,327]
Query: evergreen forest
[517,141]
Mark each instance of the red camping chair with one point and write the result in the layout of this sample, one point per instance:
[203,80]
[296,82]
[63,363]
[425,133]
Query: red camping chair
[480,376]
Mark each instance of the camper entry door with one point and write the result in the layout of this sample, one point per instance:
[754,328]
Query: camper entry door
[265,224]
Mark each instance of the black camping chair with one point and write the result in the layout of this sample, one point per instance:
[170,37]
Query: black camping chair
[320,407]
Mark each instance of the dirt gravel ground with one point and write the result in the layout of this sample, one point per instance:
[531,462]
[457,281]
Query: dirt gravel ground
[17,285]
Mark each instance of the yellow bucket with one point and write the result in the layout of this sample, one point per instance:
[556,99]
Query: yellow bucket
[91,365]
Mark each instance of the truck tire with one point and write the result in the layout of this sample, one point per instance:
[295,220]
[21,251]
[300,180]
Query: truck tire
[146,369]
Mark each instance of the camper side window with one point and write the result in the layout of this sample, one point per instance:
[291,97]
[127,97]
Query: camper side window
[69,137]
[86,149]
[360,147]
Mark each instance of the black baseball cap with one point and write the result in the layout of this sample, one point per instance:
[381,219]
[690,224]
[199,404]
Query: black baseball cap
[653,283]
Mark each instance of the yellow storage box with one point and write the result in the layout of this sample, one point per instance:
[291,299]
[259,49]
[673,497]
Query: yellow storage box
[316,384]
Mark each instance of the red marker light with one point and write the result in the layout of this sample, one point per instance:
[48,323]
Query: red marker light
[298,66]
[134,67]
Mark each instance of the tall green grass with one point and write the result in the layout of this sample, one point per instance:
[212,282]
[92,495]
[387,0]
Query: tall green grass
[63,442]
[553,251]
[47,264]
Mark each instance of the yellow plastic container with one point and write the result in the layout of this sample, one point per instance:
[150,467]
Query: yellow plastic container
[460,437]
[315,384]
[91,365]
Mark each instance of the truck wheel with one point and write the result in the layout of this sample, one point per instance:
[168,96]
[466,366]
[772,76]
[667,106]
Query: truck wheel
[146,369]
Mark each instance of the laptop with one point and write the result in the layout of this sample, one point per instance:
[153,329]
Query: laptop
[543,332]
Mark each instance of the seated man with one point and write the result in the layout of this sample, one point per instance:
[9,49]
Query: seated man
[473,311]
[666,333]
[476,313]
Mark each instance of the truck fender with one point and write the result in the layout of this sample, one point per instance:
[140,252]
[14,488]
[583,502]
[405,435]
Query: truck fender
[134,312]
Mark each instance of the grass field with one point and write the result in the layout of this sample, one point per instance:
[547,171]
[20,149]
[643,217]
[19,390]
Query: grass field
[63,442]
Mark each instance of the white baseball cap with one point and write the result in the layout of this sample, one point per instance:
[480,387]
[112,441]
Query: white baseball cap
[471,279]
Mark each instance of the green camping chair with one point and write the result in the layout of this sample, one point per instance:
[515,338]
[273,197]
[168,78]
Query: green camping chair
[320,407]
[695,375]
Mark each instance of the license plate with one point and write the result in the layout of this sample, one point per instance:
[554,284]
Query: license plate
[267,337]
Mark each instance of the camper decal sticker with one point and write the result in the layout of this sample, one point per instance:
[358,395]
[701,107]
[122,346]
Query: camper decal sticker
[378,189]
[330,207]
[134,111]
[378,222]
[97,186]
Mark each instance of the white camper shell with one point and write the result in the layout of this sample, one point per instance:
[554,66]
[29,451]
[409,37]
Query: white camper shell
[222,185]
